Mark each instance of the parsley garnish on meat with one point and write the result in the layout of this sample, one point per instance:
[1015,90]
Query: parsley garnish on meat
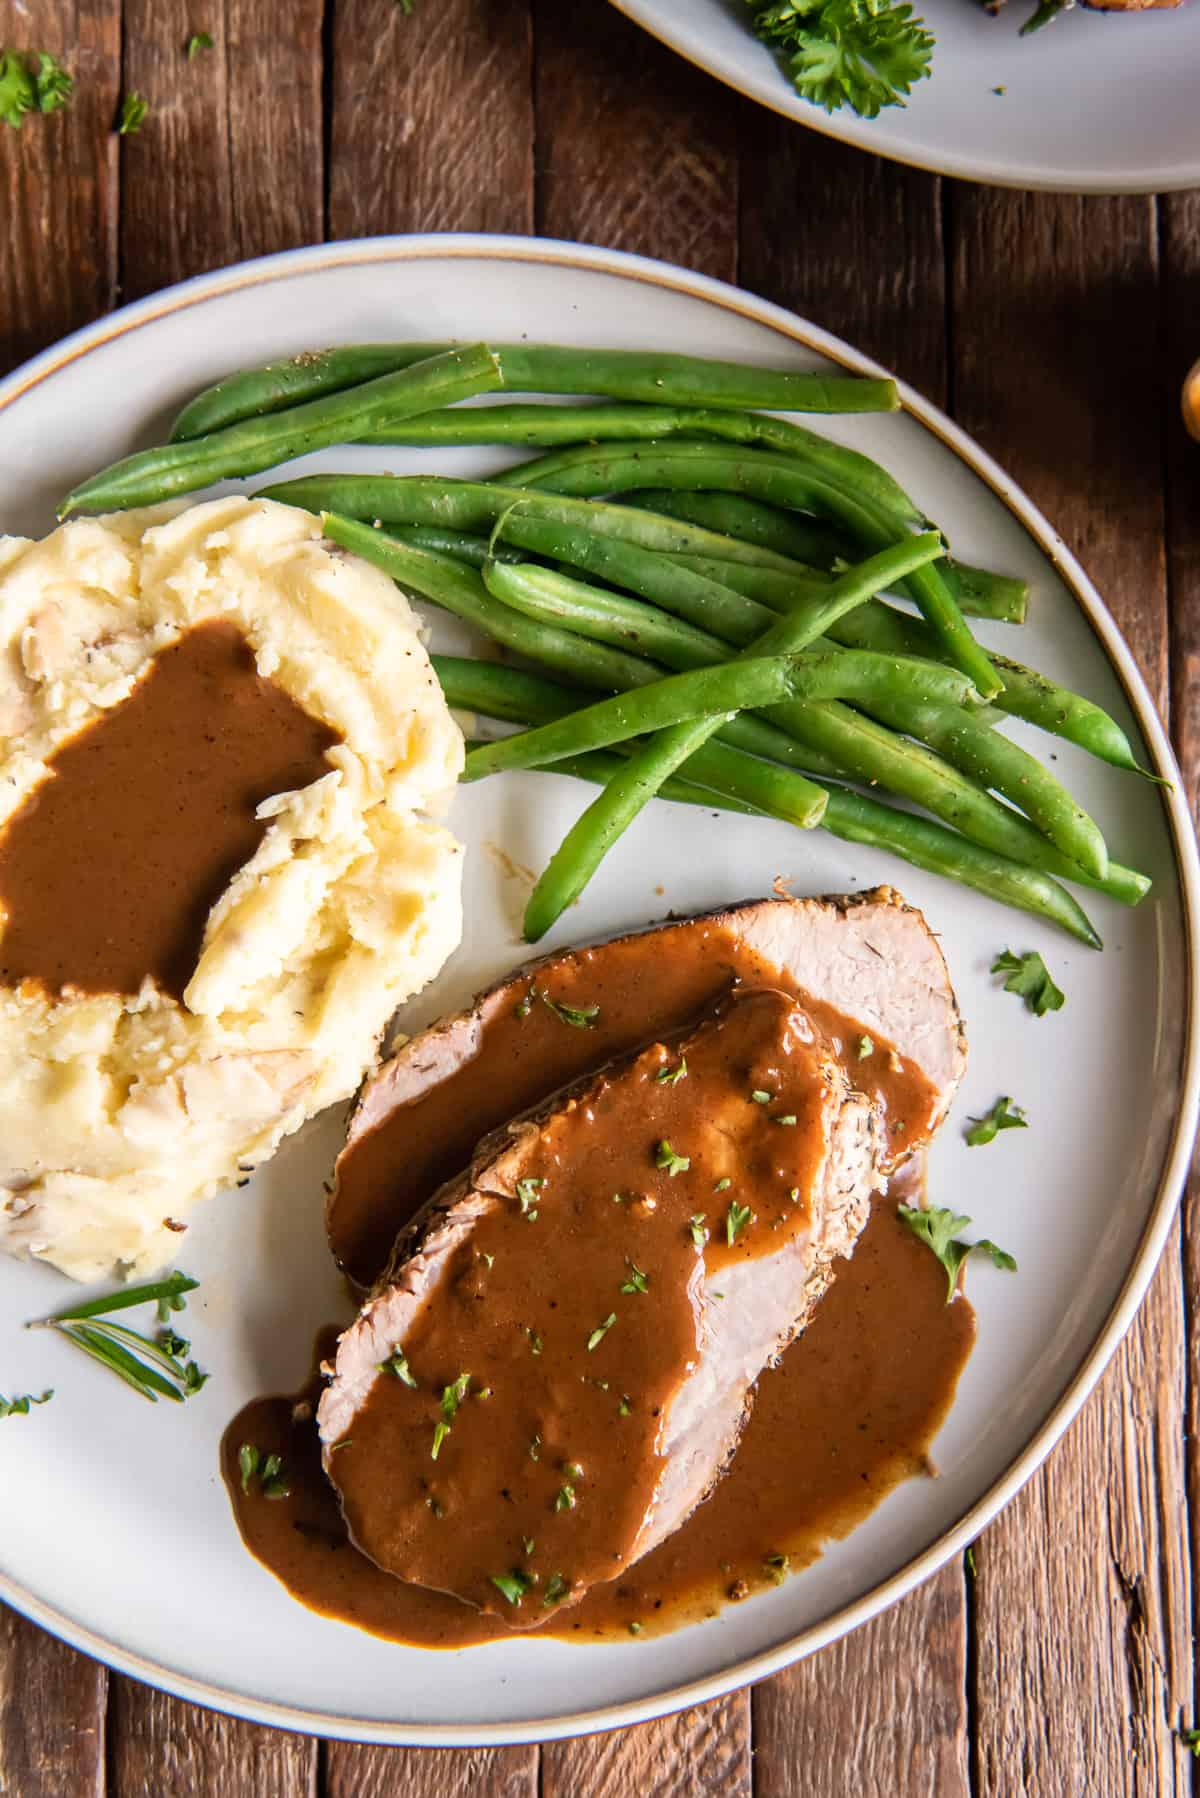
[665,1156]
[699,1233]
[788,1119]
[513,1585]
[864,54]
[19,1407]
[453,1396]
[637,1281]
[564,1499]
[601,1331]
[672,1076]
[865,1047]
[1004,1115]
[736,1219]
[935,1226]
[1029,978]
[581,1017]
[723,1184]
[268,1470]
[440,1432]
[776,1567]
[556,1589]
[397,1364]
[24,89]
[760,1097]
[527,1192]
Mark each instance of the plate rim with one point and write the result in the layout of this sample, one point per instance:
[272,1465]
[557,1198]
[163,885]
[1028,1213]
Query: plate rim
[850,129]
[553,252]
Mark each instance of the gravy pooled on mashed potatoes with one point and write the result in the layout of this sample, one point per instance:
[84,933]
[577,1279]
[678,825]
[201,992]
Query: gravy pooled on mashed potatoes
[217,738]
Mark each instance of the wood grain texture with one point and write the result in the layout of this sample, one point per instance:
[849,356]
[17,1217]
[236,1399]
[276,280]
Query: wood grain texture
[823,1728]
[51,1715]
[698,1753]
[1083,1651]
[58,181]
[158,1744]
[354,1772]
[431,119]
[228,163]
[636,150]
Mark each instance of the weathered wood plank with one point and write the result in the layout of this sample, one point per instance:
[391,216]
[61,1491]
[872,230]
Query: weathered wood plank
[228,163]
[58,182]
[431,121]
[856,245]
[1082,1610]
[698,1753]
[160,1744]
[352,1772]
[636,150]
[51,1715]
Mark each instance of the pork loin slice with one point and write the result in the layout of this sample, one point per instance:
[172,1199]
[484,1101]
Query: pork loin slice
[869,956]
[618,1348]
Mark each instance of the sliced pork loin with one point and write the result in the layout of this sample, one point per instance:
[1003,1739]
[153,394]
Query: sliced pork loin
[840,995]
[420,1116]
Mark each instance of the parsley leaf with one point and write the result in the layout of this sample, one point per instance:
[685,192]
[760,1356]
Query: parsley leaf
[267,1469]
[565,1498]
[935,1226]
[1190,1738]
[865,1047]
[787,1118]
[19,1407]
[759,1097]
[601,1331]
[556,1589]
[637,1281]
[513,1585]
[132,114]
[440,1432]
[397,1364]
[22,89]
[582,1017]
[736,1219]
[199,40]
[527,1192]
[672,1076]
[453,1396]
[777,1567]
[51,84]
[665,1156]
[1029,978]
[1004,1115]
[864,54]
[699,1233]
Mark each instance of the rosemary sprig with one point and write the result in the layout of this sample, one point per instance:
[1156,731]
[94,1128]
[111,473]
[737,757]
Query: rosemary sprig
[155,1368]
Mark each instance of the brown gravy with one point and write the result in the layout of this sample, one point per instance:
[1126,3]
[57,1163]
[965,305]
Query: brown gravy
[849,1412]
[110,868]
[571,1315]
[646,987]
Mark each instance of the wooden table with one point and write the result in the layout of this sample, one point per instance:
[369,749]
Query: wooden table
[1057,330]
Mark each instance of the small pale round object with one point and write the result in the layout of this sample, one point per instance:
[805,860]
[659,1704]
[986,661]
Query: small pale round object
[118,1113]
[1191,401]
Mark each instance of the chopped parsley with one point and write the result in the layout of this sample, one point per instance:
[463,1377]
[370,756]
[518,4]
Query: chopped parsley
[535,1341]
[722,1185]
[601,1331]
[267,1469]
[397,1365]
[514,1585]
[935,1226]
[665,1156]
[635,1629]
[453,1396]
[440,1432]
[865,1047]
[556,1589]
[19,1407]
[736,1219]
[759,1097]
[527,1192]
[1029,978]
[672,1076]
[699,1233]
[565,1498]
[637,1281]
[24,89]
[625,1408]
[1004,1115]
[523,1007]
[535,1448]
[776,1567]
[787,1118]
[580,1017]
[199,40]
[132,114]
[528,1544]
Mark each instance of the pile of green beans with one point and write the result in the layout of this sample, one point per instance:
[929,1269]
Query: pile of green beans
[722,593]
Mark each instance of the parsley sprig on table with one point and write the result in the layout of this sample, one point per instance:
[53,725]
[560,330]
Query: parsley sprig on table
[864,54]
[26,87]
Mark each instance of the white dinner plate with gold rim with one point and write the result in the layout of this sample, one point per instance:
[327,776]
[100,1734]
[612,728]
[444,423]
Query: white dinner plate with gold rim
[117,1534]
[1095,103]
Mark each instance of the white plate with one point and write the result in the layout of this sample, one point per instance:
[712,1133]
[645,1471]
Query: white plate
[1093,103]
[117,1533]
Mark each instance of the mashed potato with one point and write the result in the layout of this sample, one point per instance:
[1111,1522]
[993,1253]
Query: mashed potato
[118,1113]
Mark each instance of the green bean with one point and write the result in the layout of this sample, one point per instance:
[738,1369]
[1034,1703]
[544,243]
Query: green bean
[593,834]
[660,377]
[247,448]
[797,482]
[458,589]
[854,817]
[789,534]
[709,693]
[497,691]
[540,426]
